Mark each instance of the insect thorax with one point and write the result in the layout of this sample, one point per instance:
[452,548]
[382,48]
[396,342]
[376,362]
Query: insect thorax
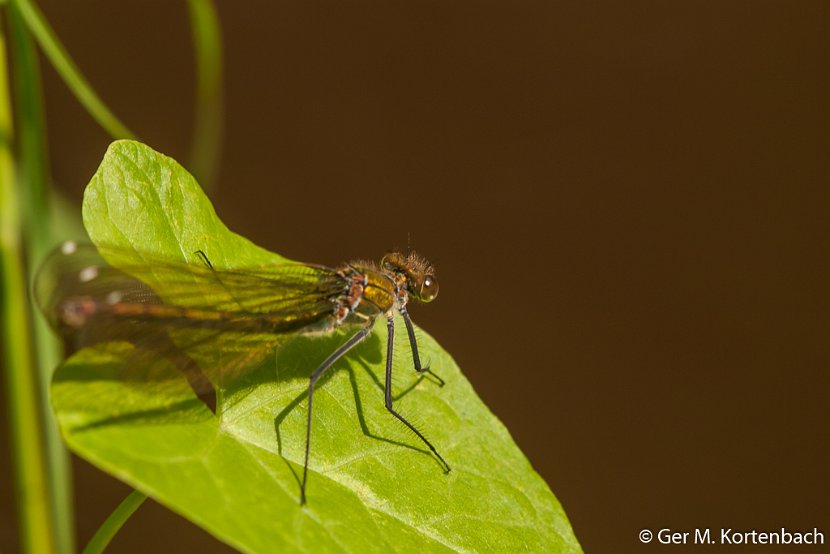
[366,294]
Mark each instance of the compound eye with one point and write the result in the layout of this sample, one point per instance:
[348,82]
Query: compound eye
[429,289]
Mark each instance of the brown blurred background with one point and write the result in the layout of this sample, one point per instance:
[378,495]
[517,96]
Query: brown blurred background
[627,203]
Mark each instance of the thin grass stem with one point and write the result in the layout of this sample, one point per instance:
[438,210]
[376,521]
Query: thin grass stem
[207,131]
[114,522]
[68,70]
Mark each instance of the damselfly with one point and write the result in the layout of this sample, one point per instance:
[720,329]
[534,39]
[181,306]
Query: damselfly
[187,312]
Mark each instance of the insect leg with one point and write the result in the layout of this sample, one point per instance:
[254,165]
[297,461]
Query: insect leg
[390,348]
[336,355]
[206,261]
[413,344]
[203,256]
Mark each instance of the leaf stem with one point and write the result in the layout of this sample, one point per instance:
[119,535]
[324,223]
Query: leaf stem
[207,131]
[114,522]
[21,388]
[68,70]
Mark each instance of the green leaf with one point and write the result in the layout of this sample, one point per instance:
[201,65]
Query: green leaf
[372,486]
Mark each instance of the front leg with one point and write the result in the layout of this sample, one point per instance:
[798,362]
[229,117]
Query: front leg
[390,350]
[413,344]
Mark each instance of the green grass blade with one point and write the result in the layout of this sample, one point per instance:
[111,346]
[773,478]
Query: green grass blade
[38,240]
[21,387]
[68,70]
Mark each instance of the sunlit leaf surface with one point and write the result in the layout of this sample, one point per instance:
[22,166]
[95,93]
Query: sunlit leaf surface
[372,486]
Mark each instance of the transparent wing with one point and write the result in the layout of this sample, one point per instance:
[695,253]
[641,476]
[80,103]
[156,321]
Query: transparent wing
[213,325]
[82,268]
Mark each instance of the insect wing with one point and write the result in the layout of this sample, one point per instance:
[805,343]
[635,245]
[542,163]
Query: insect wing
[210,325]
